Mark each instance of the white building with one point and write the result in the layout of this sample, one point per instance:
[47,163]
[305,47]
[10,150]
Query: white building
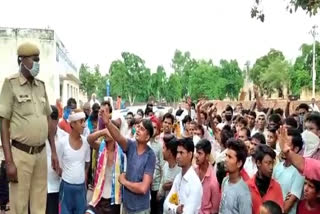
[57,70]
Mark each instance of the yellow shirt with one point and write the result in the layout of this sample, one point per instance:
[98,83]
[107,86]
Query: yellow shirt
[26,105]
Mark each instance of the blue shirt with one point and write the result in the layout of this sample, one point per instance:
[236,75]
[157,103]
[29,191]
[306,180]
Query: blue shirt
[290,180]
[137,167]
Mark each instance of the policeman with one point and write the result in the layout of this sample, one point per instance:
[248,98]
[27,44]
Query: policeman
[26,123]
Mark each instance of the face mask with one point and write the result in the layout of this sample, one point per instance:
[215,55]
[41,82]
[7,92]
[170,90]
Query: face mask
[34,71]
[228,117]
[311,143]
[133,130]
[196,139]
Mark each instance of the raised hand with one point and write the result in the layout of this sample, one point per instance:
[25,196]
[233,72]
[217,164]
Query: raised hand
[105,115]
[283,139]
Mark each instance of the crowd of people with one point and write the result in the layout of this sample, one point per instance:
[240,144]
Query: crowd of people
[195,159]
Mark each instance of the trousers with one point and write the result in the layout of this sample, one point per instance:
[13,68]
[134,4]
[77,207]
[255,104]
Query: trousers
[73,198]
[32,183]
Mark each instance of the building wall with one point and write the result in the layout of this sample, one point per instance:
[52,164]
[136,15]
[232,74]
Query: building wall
[56,68]
[11,38]
[70,89]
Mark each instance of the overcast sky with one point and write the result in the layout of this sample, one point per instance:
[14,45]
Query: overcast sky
[96,32]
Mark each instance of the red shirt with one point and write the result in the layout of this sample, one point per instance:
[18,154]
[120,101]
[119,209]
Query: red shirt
[65,126]
[302,208]
[211,192]
[274,193]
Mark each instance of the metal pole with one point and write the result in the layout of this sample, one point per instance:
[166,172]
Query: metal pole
[313,33]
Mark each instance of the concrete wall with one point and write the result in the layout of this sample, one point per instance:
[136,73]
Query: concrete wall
[306,94]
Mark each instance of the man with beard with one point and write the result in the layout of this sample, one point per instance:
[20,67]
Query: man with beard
[262,186]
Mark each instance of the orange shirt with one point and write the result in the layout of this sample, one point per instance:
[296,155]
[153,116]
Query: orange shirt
[65,126]
[274,193]
[244,175]
[60,110]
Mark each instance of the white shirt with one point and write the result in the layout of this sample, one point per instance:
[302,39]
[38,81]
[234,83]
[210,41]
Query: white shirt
[189,190]
[106,192]
[73,161]
[314,107]
[221,156]
[169,175]
[124,124]
[53,177]
[93,102]
[250,166]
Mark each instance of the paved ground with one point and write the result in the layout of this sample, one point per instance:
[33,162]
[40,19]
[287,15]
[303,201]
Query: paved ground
[89,195]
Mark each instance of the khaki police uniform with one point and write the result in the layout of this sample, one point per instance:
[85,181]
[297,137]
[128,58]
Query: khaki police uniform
[26,105]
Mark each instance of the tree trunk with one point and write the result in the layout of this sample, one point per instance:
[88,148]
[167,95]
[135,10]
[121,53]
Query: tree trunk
[131,99]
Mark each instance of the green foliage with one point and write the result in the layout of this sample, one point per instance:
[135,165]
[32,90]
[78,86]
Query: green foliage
[301,74]
[266,68]
[276,76]
[158,82]
[207,81]
[184,65]
[233,76]
[130,78]
[174,88]
[216,82]
[92,81]
[309,6]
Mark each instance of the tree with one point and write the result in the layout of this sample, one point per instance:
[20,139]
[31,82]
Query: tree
[301,74]
[216,82]
[174,88]
[130,78]
[206,81]
[92,81]
[158,82]
[309,6]
[183,65]
[118,79]
[261,66]
[101,82]
[234,77]
[276,77]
